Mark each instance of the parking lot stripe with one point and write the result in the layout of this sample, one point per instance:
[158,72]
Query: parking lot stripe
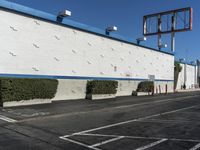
[195,147]
[79,143]
[134,120]
[140,137]
[4,118]
[107,141]
[151,144]
[103,135]
[133,137]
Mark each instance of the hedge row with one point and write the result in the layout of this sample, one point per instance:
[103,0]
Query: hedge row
[12,89]
[102,87]
[145,86]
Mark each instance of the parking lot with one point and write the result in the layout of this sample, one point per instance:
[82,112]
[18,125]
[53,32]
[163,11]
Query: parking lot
[154,123]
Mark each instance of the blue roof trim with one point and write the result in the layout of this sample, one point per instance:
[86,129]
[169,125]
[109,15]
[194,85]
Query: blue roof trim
[66,22]
[26,10]
[74,77]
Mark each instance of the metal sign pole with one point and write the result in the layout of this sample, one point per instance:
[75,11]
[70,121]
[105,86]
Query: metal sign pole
[173,33]
[159,32]
[173,42]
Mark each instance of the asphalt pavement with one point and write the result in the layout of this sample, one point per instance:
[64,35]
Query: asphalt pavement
[165,122]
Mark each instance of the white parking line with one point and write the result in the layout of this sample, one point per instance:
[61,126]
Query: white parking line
[4,118]
[151,144]
[133,120]
[195,147]
[140,137]
[79,143]
[107,141]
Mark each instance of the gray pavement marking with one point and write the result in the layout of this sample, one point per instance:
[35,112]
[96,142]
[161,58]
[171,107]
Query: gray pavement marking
[151,144]
[79,143]
[110,108]
[10,120]
[133,120]
[107,141]
[195,147]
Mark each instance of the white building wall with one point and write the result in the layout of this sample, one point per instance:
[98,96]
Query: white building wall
[188,75]
[33,47]
[181,78]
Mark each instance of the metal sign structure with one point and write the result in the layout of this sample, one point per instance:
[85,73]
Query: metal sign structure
[179,20]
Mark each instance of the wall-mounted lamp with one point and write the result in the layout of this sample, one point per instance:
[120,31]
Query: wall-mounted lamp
[162,46]
[62,14]
[182,60]
[111,29]
[143,39]
[193,63]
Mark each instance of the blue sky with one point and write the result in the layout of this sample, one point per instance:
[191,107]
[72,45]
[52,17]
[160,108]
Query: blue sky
[127,15]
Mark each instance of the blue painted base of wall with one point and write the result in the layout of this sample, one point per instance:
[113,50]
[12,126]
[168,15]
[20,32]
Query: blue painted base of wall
[75,77]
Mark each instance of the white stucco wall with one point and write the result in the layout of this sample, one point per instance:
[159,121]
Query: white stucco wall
[187,75]
[35,47]
[45,48]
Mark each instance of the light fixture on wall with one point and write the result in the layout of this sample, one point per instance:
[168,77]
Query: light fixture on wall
[111,29]
[62,14]
[193,63]
[181,60]
[142,39]
[162,46]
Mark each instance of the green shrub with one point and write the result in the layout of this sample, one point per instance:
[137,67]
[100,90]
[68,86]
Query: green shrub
[13,89]
[145,86]
[102,87]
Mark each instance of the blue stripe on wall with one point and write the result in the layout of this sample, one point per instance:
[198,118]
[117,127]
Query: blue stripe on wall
[75,77]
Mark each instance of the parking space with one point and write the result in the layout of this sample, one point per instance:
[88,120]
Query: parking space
[166,122]
[176,130]
[10,140]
